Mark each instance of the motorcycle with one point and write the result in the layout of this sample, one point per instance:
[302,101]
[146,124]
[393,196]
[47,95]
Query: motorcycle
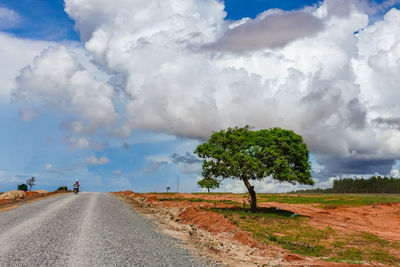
[76,189]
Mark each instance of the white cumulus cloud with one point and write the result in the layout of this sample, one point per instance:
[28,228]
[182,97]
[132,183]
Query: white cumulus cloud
[49,167]
[58,80]
[96,161]
[15,54]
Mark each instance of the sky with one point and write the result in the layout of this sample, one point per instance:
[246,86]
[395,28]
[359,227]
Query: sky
[119,95]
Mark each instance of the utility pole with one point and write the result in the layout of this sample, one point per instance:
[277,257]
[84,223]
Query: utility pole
[177,184]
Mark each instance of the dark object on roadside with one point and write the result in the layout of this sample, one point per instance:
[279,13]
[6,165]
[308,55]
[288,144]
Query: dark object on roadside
[23,187]
[31,182]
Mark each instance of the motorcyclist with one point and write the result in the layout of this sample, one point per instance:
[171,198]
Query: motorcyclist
[76,186]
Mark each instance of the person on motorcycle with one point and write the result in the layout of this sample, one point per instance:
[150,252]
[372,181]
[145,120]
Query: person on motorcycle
[76,187]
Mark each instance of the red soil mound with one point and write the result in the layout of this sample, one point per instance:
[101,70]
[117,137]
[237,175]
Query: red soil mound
[31,194]
[245,239]
[5,201]
[127,192]
[151,199]
[215,224]
[209,221]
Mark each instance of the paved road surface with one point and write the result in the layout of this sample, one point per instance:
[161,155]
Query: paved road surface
[88,229]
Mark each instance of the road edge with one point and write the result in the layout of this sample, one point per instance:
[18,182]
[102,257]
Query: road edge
[191,237]
[20,202]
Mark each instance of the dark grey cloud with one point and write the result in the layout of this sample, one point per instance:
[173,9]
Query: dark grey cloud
[188,158]
[272,30]
[126,146]
[393,122]
[338,166]
[340,8]
[357,113]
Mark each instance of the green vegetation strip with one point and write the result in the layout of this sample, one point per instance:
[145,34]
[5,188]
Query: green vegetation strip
[293,232]
[326,200]
[198,200]
[218,193]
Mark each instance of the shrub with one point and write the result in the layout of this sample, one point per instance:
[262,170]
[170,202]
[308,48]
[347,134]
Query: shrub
[63,187]
[23,187]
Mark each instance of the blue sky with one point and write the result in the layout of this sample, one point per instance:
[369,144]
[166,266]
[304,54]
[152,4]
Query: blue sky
[41,20]
[43,146]
[47,20]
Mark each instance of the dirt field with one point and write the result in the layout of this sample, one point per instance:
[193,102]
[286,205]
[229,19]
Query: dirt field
[291,230]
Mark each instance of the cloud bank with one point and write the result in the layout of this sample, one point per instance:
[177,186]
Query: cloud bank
[322,71]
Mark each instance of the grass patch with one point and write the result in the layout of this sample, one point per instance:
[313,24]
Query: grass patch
[198,200]
[335,259]
[282,228]
[162,193]
[215,193]
[327,200]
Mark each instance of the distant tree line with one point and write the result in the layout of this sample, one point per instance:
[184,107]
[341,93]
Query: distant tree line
[375,184]
[315,190]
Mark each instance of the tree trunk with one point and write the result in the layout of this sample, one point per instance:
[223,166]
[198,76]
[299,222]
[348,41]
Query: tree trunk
[208,190]
[252,193]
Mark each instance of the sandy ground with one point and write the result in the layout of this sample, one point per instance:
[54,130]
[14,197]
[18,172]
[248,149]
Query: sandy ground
[215,236]
[16,199]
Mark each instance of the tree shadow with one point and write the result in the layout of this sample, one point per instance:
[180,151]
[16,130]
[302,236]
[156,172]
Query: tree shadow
[262,211]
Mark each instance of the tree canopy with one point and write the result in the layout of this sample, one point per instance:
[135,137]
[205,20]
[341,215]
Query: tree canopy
[31,182]
[23,187]
[240,153]
[209,183]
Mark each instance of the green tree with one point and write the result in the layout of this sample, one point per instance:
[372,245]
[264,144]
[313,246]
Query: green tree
[168,188]
[23,187]
[31,182]
[63,188]
[209,183]
[240,153]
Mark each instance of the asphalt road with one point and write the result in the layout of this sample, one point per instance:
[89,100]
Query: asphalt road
[88,229]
